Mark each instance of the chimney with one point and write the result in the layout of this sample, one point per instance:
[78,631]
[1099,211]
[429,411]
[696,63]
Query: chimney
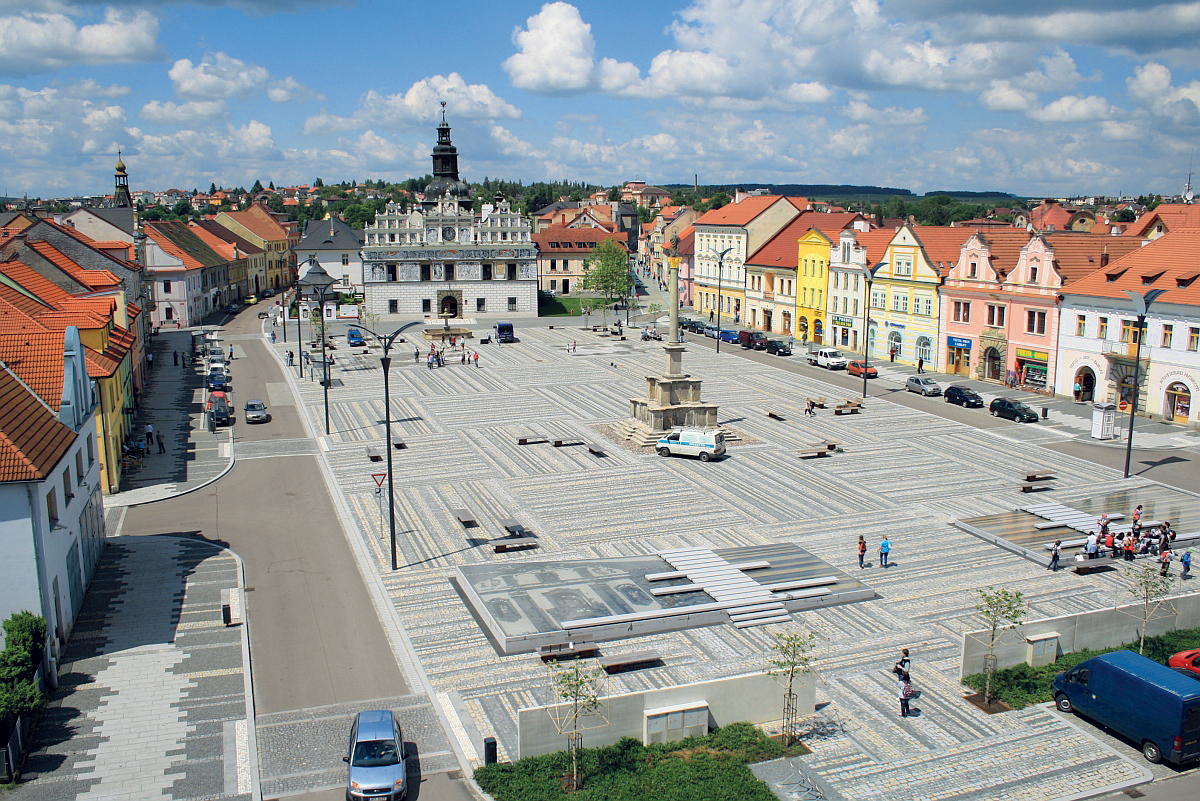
[1104,258]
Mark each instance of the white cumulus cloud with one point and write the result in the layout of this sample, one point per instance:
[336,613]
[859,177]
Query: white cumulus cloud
[217,76]
[1074,108]
[182,113]
[289,90]
[35,41]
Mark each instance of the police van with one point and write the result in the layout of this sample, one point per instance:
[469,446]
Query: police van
[706,444]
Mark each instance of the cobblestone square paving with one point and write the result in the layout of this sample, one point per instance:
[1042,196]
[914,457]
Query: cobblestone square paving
[903,473]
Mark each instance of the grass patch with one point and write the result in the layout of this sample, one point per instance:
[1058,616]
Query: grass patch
[713,767]
[1022,685]
[571,307]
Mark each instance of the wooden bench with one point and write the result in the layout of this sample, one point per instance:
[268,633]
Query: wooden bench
[814,450]
[847,408]
[618,661]
[853,402]
[513,527]
[1030,486]
[513,544]
[374,455]
[775,416]
[567,650]
[465,517]
[595,449]
[818,402]
[398,443]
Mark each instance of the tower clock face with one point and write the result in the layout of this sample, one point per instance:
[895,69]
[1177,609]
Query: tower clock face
[448,233]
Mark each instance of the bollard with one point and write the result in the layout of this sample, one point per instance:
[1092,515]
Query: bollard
[489,750]
[1045,413]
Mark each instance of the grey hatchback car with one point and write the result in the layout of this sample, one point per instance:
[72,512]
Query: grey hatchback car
[923,385]
[256,412]
[378,769]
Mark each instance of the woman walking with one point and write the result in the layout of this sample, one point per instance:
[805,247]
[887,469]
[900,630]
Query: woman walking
[1055,552]
[862,551]
[905,692]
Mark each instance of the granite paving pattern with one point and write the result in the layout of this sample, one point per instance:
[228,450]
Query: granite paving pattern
[902,472]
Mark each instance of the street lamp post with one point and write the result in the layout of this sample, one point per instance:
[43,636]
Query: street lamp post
[1141,305]
[318,280]
[868,274]
[299,338]
[720,269]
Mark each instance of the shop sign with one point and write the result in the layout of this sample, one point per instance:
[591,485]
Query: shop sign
[890,324]
[845,322]
[958,342]
[1035,355]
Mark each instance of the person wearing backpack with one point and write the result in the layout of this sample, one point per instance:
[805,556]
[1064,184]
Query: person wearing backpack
[862,551]
[906,692]
[1055,552]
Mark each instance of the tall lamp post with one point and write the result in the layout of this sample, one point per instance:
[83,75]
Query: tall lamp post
[319,281]
[1141,305]
[299,339]
[720,270]
[868,274]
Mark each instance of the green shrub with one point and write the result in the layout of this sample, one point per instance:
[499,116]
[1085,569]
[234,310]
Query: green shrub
[26,631]
[713,767]
[1021,685]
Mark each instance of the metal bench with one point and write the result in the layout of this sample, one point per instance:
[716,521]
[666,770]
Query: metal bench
[567,650]
[465,517]
[513,527]
[618,661]
[398,443]
[513,544]
[595,449]
[374,455]
[775,416]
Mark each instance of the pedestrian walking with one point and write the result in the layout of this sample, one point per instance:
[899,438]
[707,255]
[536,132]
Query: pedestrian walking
[1185,562]
[1055,552]
[272,337]
[905,692]
[1137,514]
[862,551]
[304,357]
[416,356]
[885,548]
[476,358]
[162,448]
[1164,562]
[429,360]
[231,353]
[175,356]
[464,356]
[574,347]
[1077,391]
[150,361]
[710,315]
[892,354]
[810,408]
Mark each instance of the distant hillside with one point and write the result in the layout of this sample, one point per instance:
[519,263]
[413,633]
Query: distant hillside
[972,195]
[802,190]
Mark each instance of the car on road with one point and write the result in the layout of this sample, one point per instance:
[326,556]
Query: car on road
[251,300]
[377,768]
[232,308]
[752,340]
[1187,660]
[262,315]
[267,293]
[963,396]
[216,380]
[778,347]
[1012,409]
[858,366]
[256,412]
[922,384]
[729,336]
[829,358]
[354,338]
[710,331]
[218,406]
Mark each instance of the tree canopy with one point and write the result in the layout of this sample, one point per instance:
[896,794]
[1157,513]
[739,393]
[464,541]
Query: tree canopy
[607,270]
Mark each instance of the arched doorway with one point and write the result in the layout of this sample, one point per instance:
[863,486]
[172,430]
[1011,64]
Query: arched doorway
[895,345]
[925,350]
[993,365]
[818,331]
[1178,404]
[449,306]
[1086,379]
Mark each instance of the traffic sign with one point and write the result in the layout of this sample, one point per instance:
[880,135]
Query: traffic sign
[379,490]
[1123,405]
[379,477]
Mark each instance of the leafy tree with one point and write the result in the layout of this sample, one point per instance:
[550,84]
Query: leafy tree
[1003,610]
[1151,590]
[318,183]
[1124,216]
[791,656]
[275,204]
[579,687]
[606,271]
[646,214]
[212,188]
[614,194]
[718,200]
[182,210]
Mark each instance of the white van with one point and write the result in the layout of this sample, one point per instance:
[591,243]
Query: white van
[707,444]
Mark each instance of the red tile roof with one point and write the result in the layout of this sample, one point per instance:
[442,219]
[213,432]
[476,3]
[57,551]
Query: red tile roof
[830,224]
[942,245]
[258,221]
[875,241]
[93,280]
[782,250]
[1050,216]
[1171,262]
[182,242]
[1171,215]
[34,282]
[1078,255]
[32,440]
[1004,246]
[573,240]
[739,213]
[13,320]
[36,356]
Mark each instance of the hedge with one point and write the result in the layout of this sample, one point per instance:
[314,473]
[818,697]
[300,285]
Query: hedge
[1022,685]
[24,641]
[713,767]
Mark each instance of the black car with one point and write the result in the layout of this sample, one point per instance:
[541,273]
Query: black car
[778,347]
[267,293]
[1012,409]
[963,396]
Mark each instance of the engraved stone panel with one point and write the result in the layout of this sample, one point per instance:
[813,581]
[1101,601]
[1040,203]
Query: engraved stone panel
[469,271]
[408,271]
[527,271]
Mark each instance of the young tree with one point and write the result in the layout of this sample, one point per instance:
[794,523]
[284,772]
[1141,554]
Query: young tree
[791,655]
[1003,610]
[1151,590]
[579,687]
[607,270]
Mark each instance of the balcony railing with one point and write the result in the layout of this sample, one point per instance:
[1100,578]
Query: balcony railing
[1120,350]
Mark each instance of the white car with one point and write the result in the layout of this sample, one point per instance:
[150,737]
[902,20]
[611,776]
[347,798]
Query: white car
[705,444]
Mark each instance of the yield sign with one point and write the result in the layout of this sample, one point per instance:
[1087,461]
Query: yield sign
[379,477]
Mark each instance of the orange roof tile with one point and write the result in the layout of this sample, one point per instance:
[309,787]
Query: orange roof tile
[1171,262]
[13,320]
[1077,254]
[34,282]
[36,356]
[781,250]
[875,241]
[1172,216]
[1004,246]
[557,239]
[32,439]
[739,213]
[941,245]
[830,224]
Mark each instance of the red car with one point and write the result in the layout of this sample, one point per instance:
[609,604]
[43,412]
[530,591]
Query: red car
[856,368]
[1189,660]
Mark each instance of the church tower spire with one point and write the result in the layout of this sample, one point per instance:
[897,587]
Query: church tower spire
[121,197]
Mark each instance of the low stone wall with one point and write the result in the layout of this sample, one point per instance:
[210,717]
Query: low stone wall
[1103,628]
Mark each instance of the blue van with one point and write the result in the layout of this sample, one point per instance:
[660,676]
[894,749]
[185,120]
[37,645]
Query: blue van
[504,332]
[1136,697]
[354,338]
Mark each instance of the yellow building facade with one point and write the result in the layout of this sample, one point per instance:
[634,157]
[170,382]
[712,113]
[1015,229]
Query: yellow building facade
[812,277]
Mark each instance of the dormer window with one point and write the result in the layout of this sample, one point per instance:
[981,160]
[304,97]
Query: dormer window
[1033,274]
[973,270]
[1151,278]
[1185,281]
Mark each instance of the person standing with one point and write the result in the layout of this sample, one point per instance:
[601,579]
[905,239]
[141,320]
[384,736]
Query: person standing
[1078,390]
[416,356]
[1164,561]
[175,356]
[903,665]
[231,353]
[1185,562]
[1092,544]
[272,337]
[463,359]
[150,361]
[920,364]
[1137,515]
[1055,552]
[905,692]
[885,548]
[1130,545]
[892,354]
[149,435]
[862,551]
[476,358]
[162,448]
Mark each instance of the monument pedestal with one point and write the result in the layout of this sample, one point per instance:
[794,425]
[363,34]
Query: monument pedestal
[672,401]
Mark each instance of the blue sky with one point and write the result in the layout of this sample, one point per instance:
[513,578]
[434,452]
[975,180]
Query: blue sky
[1031,97]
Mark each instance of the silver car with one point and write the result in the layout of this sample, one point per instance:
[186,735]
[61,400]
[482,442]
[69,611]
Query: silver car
[922,384]
[256,412]
[378,769]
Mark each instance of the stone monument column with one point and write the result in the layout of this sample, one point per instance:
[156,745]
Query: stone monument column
[673,265]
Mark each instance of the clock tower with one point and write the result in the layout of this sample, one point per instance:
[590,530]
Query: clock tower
[446,183]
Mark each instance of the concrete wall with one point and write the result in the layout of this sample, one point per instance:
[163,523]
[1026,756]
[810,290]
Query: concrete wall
[756,698]
[1104,628]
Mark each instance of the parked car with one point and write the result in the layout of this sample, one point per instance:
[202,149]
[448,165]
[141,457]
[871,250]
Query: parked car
[729,336]
[376,758]
[1012,409]
[232,308]
[251,300]
[778,347]
[1148,703]
[354,338]
[218,407]
[262,315]
[216,380]
[752,340]
[706,444]
[1187,660]
[710,331]
[857,367]
[922,384]
[267,293]
[963,396]
[829,358]
[256,412]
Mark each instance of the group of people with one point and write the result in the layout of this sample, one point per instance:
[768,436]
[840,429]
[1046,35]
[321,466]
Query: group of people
[437,357]
[143,447]
[1154,541]
[885,548]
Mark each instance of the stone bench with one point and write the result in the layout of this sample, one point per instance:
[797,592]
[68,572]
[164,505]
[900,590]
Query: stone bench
[398,443]
[465,517]
[595,449]
[374,455]
[847,408]
[617,662]
[513,544]
[775,416]
[814,451]
[1031,486]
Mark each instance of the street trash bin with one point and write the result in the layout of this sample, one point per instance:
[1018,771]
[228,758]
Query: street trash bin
[1104,418]
[489,750]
